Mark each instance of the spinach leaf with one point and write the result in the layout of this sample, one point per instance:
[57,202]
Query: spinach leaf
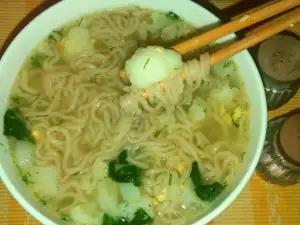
[123,157]
[67,219]
[55,35]
[125,173]
[172,16]
[140,218]
[209,192]
[26,179]
[195,174]
[228,64]
[43,201]
[206,192]
[51,37]
[37,60]
[14,126]
[123,221]
[59,32]
[146,63]
[107,220]
[170,179]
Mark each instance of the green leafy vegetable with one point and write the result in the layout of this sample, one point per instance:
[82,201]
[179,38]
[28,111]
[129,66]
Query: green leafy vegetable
[172,16]
[107,220]
[80,21]
[60,122]
[158,132]
[146,63]
[206,192]
[125,173]
[59,32]
[123,157]
[186,107]
[16,99]
[14,126]
[43,201]
[26,179]
[140,218]
[67,218]
[51,37]
[209,192]
[170,179]
[243,155]
[195,174]
[228,64]
[76,174]
[54,35]
[37,60]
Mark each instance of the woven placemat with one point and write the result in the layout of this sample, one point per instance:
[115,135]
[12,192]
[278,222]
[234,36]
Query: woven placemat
[259,203]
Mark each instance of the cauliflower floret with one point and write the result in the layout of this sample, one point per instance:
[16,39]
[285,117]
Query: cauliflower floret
[108,196]
[130,193]
[196,112]
[151,65]
[77,41]
[44,177]
[24,155]
[84,214]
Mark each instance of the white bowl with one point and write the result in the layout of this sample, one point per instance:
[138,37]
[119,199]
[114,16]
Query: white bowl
[67,10]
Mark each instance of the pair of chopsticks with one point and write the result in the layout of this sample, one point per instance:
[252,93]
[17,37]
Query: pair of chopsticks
[253,37]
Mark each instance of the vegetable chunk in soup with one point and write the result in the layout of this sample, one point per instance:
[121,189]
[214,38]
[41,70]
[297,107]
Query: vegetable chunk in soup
[90,157]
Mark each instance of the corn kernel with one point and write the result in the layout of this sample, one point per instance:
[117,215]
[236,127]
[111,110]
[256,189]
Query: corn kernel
[94,41]
[162,85]
[60,47]
[155,202]
[122,74]
[160,198]
[183,75]
[35,134]
[180,167]
[145,95]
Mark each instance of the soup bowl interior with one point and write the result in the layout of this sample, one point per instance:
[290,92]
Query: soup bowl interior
[68,10]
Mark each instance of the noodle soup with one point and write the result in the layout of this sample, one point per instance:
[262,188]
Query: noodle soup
[89,159]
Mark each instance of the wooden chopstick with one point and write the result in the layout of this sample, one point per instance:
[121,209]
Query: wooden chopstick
[261,33]
[254,9]
[273,22]
[235,25]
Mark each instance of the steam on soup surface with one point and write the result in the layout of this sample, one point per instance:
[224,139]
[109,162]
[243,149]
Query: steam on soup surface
[92,161]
